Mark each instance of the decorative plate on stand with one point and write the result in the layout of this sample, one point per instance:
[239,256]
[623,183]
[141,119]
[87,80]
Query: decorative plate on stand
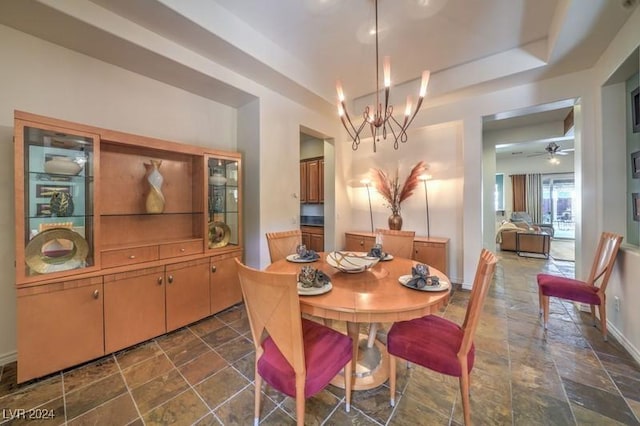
[219,234]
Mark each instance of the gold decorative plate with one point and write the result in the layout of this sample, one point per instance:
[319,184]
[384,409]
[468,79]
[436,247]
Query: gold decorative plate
[219,234]
[41,263]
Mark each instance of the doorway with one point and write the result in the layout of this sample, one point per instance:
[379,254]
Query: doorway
[558,201]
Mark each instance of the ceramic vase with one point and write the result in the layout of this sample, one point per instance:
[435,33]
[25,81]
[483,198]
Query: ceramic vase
[395,222]
[62,166]
[155,199]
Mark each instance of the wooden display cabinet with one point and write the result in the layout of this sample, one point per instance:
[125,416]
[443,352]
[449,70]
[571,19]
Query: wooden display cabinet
[359,241]
[223,202]
[56,199]
[432,251]
[224,283]
[59,325]
[113,270]
[134,307]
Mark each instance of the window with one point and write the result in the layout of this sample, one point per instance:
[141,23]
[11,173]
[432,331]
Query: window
[499,192]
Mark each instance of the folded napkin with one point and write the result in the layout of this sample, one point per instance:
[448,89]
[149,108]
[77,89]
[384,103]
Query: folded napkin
[312,277]
[420,277]
[376,251]
[309,255]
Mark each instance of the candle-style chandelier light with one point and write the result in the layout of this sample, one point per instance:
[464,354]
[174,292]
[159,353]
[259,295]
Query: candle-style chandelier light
[381,120]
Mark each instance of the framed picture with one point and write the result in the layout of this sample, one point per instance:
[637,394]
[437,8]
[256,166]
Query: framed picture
[43,209]
[635,110]
[636,206]
[635,164]
[47,191]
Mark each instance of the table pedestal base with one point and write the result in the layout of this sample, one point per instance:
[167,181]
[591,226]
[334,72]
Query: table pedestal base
[371,368]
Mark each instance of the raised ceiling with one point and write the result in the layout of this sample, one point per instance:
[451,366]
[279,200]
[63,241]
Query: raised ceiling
[300,47]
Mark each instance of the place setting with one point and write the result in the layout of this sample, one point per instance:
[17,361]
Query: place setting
[303,255]
[312,282]
[419,279]
[376,251]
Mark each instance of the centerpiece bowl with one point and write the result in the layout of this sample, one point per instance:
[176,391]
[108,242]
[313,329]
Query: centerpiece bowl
[351,262]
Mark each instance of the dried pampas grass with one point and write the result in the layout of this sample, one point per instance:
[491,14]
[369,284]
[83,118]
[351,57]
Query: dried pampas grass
[389,186]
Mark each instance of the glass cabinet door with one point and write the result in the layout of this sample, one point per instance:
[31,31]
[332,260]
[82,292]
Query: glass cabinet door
[223,201]
[58,191]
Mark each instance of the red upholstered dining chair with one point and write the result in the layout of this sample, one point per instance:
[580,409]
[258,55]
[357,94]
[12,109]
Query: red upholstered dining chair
[295,356]
[591,291]
[439,344]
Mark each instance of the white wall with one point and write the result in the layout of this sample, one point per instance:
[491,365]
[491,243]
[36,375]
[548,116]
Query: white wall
[440,146]
[612,194]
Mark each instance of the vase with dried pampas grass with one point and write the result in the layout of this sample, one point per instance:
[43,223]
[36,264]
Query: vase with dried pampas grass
[393,192]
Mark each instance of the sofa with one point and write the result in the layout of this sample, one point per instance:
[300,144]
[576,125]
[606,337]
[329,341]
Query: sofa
[524,218]
[506,235]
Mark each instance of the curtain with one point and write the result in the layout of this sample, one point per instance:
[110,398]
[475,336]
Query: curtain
[519,190]
[534,196]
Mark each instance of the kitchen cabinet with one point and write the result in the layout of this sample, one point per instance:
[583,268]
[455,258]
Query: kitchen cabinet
[312,181]
[313,237]
[303,182]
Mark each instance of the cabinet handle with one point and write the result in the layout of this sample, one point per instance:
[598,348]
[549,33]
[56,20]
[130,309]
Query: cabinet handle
[159,280]
[361,243]
[96,294]
[170,279]
[133,256]
[182,250]
[213,268]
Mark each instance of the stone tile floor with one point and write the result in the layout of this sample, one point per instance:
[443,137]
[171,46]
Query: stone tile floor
[203,374]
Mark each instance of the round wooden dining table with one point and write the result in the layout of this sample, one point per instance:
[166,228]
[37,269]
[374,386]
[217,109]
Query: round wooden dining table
[372,296]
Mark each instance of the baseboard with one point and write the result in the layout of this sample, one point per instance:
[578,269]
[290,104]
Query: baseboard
[8,357]
[633,351]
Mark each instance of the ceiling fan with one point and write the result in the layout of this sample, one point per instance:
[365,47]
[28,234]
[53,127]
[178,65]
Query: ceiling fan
[552,149]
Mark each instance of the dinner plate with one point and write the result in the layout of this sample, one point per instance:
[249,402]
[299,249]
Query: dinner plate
[296,259]
[314,291]
[404,279]
[389,256]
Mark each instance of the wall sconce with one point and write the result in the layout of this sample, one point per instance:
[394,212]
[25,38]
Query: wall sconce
[367,182]
[424,179]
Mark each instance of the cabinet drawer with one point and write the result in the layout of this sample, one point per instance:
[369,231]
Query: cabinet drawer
[129,256]
[182,248]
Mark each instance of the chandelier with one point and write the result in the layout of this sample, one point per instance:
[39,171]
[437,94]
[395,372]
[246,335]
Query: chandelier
[381,121]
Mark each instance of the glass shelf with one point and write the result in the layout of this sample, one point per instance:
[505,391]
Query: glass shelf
[58,200]
[223,195]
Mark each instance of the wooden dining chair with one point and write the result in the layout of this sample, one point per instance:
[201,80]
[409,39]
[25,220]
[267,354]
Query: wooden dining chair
[398,244]
[439,344]
[281,244]
[296,356]
[591,291]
